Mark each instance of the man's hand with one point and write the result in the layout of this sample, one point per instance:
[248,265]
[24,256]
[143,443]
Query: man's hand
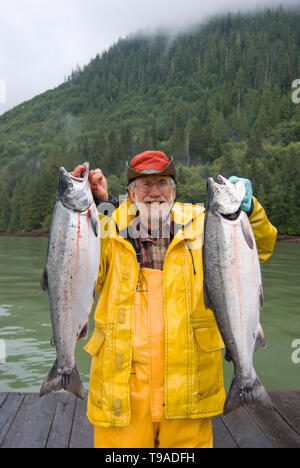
[98,184]
[247,201]
[97,181]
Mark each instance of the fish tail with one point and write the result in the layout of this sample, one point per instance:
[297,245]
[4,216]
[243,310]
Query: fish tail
[238,396]
[69,382]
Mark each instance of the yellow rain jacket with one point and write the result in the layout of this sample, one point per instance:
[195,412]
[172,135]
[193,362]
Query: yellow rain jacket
[193,371]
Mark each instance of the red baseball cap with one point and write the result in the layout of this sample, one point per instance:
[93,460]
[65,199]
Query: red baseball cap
[150,162]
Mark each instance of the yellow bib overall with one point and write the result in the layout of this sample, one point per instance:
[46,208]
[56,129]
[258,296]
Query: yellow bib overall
[148,427]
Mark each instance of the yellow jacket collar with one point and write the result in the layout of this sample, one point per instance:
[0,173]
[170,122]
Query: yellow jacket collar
[184,215]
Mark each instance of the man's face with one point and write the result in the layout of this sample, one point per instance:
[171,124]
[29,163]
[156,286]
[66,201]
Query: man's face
[154,196]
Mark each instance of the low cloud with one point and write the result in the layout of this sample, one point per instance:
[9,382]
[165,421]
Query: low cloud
[41,41]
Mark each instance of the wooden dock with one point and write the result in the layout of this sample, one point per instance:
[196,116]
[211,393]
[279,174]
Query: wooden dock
[59,421]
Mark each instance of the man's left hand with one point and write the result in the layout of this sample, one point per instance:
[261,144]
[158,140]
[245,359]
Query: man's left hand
[247,200]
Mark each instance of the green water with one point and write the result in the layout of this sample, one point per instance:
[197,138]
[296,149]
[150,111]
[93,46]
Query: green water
[26,330]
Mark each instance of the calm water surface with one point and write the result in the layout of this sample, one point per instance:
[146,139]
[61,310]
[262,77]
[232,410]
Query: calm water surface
[25,326]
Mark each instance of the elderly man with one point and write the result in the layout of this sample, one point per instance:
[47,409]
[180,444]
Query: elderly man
[154,381]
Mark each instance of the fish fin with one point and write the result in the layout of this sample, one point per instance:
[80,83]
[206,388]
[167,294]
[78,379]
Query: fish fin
[72,383]
[52,382]
[254,395]
[260,339]
[52,342]
[240,189]
[69,382]
[44,281]
[95,291]
[246,228]
[261,297]
[94,223]
[228,356]
[84,332]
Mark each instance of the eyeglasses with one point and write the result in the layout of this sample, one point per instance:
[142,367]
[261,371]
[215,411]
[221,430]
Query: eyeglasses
[146,186]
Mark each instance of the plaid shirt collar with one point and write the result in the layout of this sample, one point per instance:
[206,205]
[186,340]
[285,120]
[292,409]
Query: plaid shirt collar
[165,231]
[151,246]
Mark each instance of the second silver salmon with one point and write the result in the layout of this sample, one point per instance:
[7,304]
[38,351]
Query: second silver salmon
[233,288]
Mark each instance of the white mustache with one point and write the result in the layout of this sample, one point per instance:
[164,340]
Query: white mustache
[153,200]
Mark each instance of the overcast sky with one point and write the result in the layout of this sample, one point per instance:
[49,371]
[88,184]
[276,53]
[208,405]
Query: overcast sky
[41,41]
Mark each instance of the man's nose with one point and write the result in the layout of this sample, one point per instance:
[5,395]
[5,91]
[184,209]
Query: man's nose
[155,192]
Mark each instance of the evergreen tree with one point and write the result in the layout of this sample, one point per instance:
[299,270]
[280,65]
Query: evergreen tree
[217,98]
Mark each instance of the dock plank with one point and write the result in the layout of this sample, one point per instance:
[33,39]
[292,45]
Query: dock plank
[9,406]
[3,396]
[58,420]
[222,436]
[244,430]
[62,424]
[275,427]
[83,432]
[288,405]
[32,424]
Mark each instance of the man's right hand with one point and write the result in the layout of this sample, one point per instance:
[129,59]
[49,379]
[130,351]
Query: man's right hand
[97,181]
[98,184]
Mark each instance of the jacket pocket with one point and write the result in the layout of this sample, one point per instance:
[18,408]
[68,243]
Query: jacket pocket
[95,343]
[209,359]
[94,348]
[208,337]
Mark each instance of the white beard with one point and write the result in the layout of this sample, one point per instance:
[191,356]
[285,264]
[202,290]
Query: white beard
[154,216]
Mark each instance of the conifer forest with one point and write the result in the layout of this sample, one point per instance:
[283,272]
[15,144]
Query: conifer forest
[221,98]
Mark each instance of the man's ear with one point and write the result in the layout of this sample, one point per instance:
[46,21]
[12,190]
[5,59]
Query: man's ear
[131,193]
[174,194]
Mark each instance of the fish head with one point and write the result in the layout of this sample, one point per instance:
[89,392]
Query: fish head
[75,192]
[224,197]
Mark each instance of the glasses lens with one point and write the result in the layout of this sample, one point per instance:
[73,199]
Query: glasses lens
[163,185]
[147,186]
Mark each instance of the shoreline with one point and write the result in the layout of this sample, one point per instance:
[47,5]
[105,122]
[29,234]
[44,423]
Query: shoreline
[37,233]
[287,238]
[42,234]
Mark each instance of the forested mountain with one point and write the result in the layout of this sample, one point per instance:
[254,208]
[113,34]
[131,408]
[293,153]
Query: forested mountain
[218,98]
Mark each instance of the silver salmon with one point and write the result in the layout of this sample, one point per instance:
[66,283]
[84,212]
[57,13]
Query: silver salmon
[233,288]
[70,276]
